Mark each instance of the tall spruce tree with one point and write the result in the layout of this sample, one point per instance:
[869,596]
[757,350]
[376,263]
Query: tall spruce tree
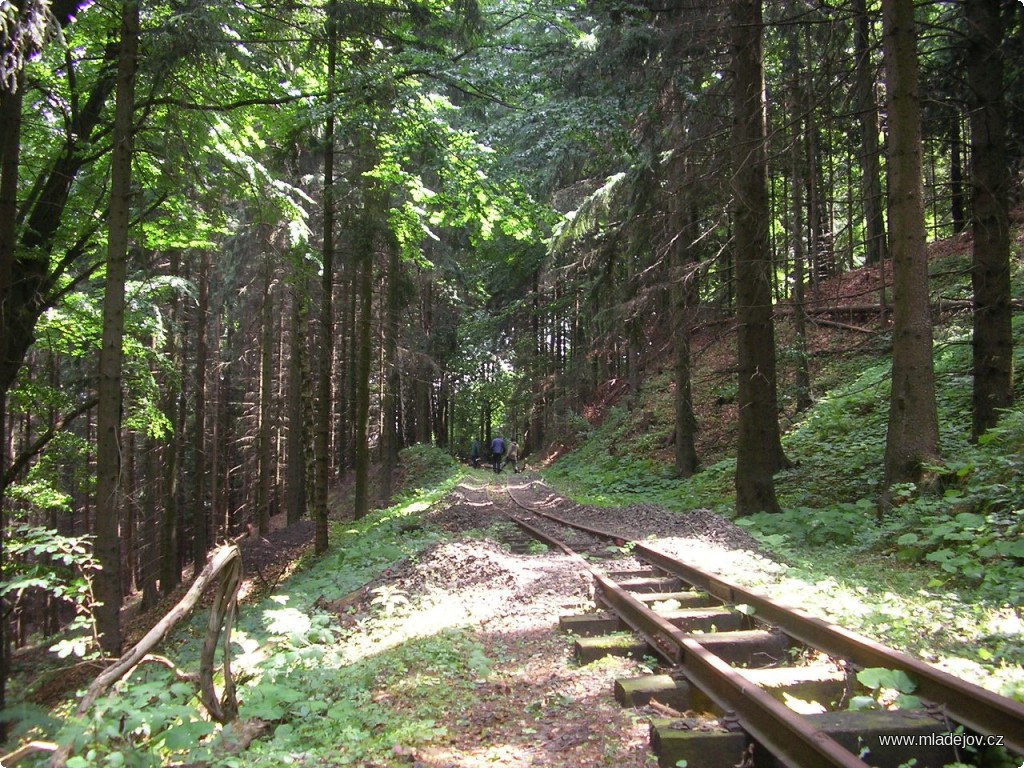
[992,342]
[759,445]
[912,438]
[107,585]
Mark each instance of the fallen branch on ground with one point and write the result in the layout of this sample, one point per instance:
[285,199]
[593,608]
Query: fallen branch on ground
[225,563]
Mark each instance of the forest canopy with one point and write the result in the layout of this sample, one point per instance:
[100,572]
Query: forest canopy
[250,252]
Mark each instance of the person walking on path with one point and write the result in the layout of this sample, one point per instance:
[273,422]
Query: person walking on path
[497,451]
[474,453]
[512,456]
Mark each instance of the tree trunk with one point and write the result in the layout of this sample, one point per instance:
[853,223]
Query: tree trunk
[871,176]
[28,284]
[389,376]
[348,383]
[799,172]
[683,297]
[818,258]
[201,447]
[364,364]
[803,374]
[534,442]
[424,375]
[107,583]
[990,270]
[10,152]
[129,516]
[912,439]
[264,450]
[150,529]
[956,174]
[173,407]
[323,417]
[759,449]
[295,478]
[23,279]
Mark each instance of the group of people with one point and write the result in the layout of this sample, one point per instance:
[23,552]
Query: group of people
[503,453]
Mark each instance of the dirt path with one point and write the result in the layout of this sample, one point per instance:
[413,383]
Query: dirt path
[538,707]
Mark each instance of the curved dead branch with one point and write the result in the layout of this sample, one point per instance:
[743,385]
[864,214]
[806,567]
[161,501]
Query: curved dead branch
[225,564]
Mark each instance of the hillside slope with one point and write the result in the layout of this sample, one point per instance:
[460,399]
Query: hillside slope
[942,573]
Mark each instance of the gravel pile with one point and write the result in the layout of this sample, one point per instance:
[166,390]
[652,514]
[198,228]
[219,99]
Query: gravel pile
[643,521]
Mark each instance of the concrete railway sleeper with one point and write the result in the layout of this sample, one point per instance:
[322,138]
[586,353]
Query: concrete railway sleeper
[732,690]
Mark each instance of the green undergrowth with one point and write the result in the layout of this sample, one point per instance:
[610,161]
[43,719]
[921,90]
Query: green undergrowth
[941,573]
[332,687]
[611,469]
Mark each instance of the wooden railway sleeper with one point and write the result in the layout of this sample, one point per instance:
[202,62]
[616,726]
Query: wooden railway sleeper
[801,743]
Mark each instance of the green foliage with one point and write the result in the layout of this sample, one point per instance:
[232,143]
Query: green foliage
[27,721]
[150,719]
[503,391]
[334,707]
[839,446]
[890,689]
[424,467]
[535,547]
[974,532]
[40,559]
[939,574]
[968,534]
[296,670]
[842,525]
[618,467]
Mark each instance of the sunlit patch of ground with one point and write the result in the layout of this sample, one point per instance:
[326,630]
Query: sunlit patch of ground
[535,706]
[532,705]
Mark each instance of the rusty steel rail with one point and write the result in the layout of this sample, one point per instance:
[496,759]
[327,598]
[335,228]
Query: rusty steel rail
[775,726]
[971,705]
[976,708]
[780,730]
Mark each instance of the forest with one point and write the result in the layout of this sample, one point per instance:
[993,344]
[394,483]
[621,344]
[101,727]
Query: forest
[253,256]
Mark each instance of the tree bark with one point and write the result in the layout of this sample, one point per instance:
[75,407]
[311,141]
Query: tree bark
[364,364]
[108,413]
[912,439]
[150,530]
[803,373]
[759,448]
[24,282]
[534,442]
[389,376]
[265,433]
[323,418]
[797,229]
[875,249]
[956,173]
[295,478]
[29,285]
[423,377]
[201,447]
[347,359]
[10,153]
[683,296]
[173,404]
[992,343]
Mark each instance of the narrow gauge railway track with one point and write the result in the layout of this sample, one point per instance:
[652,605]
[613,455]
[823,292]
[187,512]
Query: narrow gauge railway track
[741,668]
